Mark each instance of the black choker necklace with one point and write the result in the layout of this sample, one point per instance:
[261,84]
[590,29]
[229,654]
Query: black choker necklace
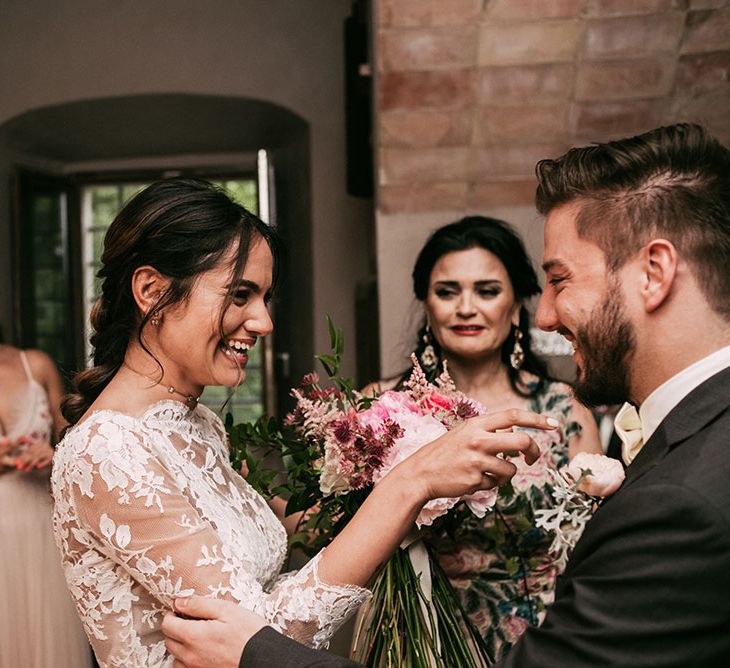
[190,400]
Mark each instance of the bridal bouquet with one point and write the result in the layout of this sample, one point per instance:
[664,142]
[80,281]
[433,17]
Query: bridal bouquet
[336,445]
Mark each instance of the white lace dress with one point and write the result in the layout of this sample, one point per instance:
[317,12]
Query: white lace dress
[147,509]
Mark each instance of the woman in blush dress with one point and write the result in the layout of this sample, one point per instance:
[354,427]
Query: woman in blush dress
[38,623]
[147,506]
[474,279]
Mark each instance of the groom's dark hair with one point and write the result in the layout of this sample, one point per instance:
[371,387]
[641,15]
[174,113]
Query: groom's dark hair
[672,182]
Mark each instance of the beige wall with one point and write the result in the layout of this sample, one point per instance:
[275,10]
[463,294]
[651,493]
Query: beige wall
[284,52]
[470,93]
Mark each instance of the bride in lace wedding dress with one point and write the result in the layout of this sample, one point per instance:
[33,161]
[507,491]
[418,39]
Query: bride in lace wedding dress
[147,507]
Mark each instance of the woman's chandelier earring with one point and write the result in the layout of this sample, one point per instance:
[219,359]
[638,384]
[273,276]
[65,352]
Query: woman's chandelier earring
[517,357]
[156,317]
[429,360]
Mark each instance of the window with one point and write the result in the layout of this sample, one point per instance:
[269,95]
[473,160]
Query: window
[43,268]
[99,205]
[49,287]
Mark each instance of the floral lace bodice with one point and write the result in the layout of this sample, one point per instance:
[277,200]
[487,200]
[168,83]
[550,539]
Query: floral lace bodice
[147,509]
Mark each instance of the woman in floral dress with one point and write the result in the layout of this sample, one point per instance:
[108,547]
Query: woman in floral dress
[474,279]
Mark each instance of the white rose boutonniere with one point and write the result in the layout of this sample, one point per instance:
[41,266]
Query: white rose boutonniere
[578,489]
[599,476]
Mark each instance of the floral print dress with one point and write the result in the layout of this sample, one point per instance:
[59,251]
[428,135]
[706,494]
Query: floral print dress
[500,565]
[148,508]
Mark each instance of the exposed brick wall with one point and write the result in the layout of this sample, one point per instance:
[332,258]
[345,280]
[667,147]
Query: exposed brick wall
[471,93]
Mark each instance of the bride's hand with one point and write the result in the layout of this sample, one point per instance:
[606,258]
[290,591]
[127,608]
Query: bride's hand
[465,459]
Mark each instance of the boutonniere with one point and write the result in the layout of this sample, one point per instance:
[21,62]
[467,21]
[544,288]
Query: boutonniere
[578,490]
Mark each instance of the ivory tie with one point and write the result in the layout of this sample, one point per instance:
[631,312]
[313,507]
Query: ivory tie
[628,429]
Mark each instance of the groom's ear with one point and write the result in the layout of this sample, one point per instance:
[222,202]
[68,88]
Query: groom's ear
[659,262]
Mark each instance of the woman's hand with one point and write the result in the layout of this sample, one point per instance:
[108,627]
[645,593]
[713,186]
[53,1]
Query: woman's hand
[32,454]
[466,459]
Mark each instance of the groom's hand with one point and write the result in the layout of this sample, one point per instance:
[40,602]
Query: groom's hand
[215,638]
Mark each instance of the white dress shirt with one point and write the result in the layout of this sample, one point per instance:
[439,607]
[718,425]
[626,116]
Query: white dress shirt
[635,430]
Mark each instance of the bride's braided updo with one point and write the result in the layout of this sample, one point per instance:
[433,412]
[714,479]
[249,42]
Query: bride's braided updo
[182,227]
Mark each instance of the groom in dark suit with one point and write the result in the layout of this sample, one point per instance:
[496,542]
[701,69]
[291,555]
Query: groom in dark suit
[637,258]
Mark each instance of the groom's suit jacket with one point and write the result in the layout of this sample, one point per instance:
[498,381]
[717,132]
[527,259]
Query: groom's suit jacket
[648,584]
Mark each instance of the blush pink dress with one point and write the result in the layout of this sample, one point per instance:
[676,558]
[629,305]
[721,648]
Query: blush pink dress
[39,626]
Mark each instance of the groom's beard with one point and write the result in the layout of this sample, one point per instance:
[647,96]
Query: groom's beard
[607,344]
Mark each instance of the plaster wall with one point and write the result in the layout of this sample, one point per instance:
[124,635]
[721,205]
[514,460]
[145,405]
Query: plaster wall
[287,53]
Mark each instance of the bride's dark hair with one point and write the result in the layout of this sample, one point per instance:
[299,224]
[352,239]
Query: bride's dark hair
[182,227]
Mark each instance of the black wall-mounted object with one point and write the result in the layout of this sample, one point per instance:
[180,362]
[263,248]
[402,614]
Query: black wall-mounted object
[358,102]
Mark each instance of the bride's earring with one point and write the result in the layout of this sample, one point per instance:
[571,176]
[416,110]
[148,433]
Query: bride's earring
[517,357]
[428,354]
[155,319]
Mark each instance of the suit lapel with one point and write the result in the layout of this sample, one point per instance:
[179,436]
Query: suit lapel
[693,413]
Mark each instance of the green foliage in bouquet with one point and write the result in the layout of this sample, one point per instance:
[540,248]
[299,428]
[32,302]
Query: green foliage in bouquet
[250,442]
[321,517]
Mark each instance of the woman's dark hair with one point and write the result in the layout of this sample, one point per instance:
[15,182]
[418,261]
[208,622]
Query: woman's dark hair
[182,227]
[501,240]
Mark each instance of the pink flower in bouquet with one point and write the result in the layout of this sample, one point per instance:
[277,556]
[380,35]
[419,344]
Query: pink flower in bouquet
[468,408]
[390,405]
[433,510]
[482,501]
[358,447]
[418,430]
[364,456]
[318,394]
[434,401]
[345,430]
[311,378]
[357,444]
[605,474]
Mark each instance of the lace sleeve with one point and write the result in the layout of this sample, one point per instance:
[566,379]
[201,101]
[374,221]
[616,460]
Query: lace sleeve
[137,510]
[309,609]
